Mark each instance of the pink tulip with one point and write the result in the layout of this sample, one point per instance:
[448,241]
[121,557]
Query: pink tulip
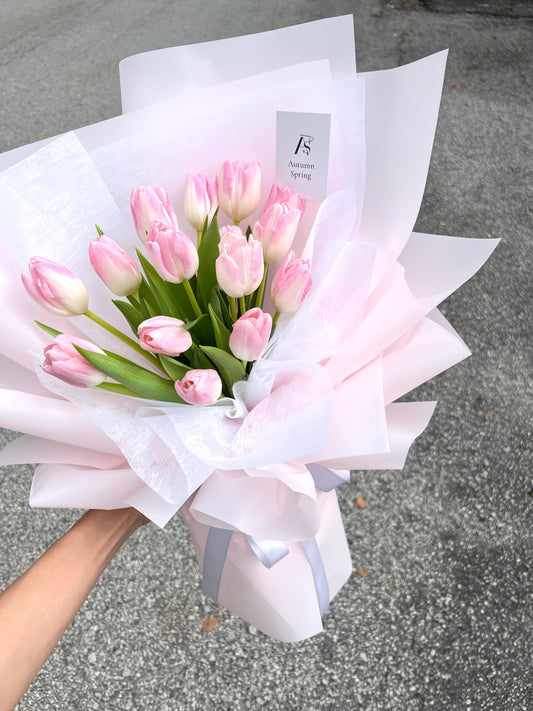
[285,196]
[63,360]
[239,188]
[276,230]
[114,266]
[291,284]
[55,288]
[149,204]
[239,267]
[250,334]
[171,252]
[199,387]
[163,334]
[200,199]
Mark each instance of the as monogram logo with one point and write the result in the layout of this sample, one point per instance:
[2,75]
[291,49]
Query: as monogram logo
[304,144]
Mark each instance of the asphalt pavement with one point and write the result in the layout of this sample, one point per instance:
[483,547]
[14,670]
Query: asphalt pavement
[443,620]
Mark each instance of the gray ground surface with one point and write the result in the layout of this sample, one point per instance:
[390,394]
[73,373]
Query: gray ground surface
[443,621]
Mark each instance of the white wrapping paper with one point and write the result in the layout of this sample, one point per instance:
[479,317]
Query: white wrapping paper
[324,392]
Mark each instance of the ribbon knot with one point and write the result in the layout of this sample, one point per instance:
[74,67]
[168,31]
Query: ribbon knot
[268,551]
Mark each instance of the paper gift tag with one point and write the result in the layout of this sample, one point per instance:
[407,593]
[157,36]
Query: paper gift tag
[302,152]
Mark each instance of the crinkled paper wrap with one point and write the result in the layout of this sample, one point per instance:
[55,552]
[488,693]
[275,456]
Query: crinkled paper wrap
[281,600]
[325,392]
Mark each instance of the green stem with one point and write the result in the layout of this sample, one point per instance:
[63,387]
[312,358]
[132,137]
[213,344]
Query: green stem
[275,319]
[125,339]
[242,304]
[236,222]
[233,307]
[261,290]
[134,299]
[198,238]
[151,310]
[192,298]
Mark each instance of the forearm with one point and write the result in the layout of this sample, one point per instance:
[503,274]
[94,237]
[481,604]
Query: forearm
[37,608]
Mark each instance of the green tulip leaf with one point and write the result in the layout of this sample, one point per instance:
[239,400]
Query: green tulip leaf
[180,301]
[133,316]
[230,369]
[159,289]
[222,334]
[118,389]
[206,279]
[197,359]
[175,369]
[48,329]
[219,302]
[133,376]
[201,331]
[147,303]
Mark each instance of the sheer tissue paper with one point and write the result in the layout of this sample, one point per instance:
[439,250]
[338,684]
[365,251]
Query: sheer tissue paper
[253,475]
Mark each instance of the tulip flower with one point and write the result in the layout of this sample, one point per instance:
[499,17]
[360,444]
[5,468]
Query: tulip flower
[55,288]
[291,284]
[163,334]
[276,230]
[199,387]
[200,199]
[239,267]
[114,266]
[285,196]
[149,204]
[250,334]
[171,252]
[63,360]
[239,188]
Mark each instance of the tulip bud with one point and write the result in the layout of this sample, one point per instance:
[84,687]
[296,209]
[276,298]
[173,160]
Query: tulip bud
[250,334]
[63,360]
[171,252]
[114,266]
[285,196]
[55,288]
[276,230]
[239,267]
[291,284]
[163,334]
[199,387]
[200,199]
[149,204]
[239,188]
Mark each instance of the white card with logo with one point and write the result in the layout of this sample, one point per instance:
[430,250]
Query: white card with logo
[302,152]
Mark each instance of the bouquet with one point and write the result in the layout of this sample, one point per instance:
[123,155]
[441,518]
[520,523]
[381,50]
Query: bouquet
[218,286]
[263,363]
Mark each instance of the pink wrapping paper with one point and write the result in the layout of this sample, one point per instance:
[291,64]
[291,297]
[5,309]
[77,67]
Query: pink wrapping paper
[324,392]
[282,600]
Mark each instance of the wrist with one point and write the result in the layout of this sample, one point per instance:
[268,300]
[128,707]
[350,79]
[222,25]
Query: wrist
[114,526]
